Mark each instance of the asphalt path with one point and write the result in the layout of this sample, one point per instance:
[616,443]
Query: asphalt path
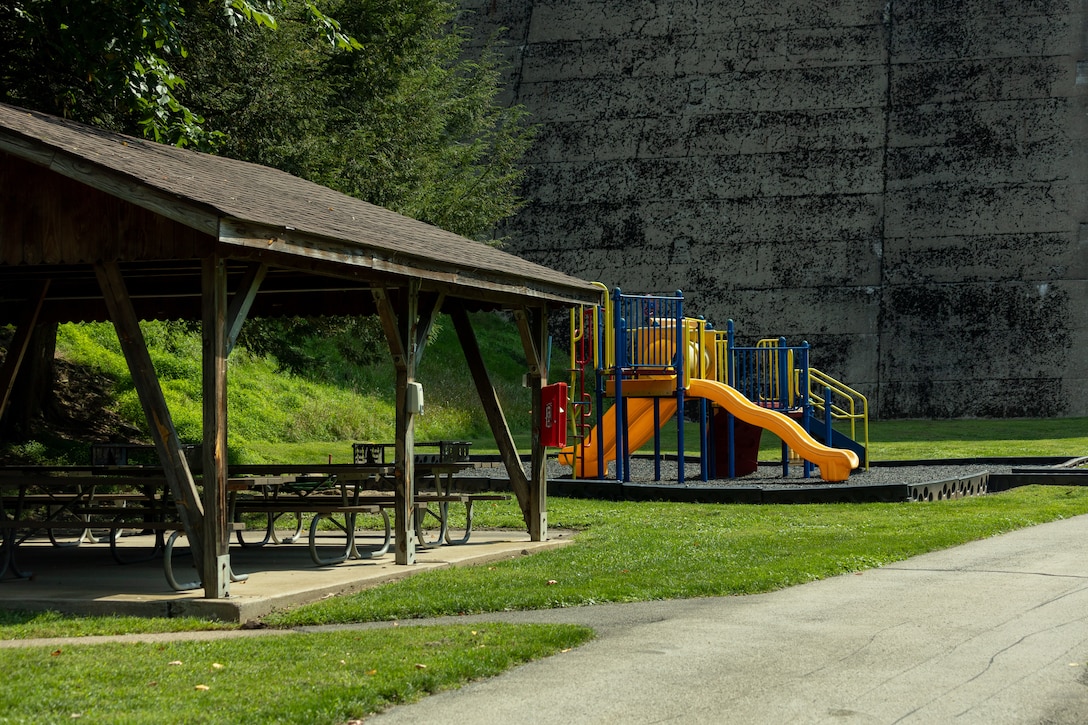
[995,631]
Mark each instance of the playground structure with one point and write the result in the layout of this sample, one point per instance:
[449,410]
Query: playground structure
[640,352]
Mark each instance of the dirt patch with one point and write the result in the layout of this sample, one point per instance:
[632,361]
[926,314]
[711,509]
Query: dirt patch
[78,409]
[82,407]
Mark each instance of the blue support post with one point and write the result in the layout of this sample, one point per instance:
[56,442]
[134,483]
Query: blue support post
[621,363]
[783,362]
[806,403]
[657,439]
[783,397]
[681,349]
[731,379]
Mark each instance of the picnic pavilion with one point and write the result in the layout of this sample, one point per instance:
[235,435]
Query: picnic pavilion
[98,226]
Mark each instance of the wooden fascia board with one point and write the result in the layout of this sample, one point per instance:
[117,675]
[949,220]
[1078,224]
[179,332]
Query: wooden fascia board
[486,285]
[197,216]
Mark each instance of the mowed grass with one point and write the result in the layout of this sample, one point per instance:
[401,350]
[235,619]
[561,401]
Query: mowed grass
[330,677]
[638,551]
[945,439]
[625,551]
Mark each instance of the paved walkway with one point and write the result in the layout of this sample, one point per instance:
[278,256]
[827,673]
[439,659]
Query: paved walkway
[992,632]
[995,631]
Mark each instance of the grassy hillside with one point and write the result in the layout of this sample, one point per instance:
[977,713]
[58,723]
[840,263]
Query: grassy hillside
[269,407]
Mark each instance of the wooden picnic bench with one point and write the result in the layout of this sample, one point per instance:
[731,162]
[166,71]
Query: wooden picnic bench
[323,508]
[70,503]
[437,472]
[130,519]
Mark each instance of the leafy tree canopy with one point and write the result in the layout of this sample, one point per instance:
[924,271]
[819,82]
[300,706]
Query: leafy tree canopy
[408,122]
[110,62]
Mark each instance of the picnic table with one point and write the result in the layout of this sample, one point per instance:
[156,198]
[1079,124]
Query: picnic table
[75,505]
[435,485]
[331,492]
[69,504]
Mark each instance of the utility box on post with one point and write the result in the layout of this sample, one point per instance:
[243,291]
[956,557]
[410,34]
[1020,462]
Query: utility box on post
[553,415]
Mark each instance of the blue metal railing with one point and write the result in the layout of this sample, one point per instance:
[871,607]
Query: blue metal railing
[649,331]
[774,375]
[649,339]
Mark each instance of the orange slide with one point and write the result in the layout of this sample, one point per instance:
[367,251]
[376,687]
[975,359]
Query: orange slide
[835,463]
[640,428]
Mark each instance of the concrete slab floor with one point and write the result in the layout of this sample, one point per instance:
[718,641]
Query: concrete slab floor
[86,579]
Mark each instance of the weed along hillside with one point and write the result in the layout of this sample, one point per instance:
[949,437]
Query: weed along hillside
[314,403]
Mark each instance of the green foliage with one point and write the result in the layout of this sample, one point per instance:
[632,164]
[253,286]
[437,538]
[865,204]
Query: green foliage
[406,123]
[419,130]
[111,62]
[403,121]
[318,678]
[329,348]
[634,551]
[32,453]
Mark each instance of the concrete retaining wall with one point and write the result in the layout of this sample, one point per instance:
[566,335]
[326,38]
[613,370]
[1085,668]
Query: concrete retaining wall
[901,183]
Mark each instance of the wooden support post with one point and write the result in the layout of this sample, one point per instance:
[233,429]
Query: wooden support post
[19,344]
[242,301]
[430,304]
[489,399]
[175,467]
[399,324]
[533,326]
[214,333]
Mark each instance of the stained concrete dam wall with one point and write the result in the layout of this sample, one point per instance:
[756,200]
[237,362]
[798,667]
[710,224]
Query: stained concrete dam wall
[901,183]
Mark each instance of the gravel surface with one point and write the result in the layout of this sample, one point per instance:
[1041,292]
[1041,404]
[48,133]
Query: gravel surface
[769,475]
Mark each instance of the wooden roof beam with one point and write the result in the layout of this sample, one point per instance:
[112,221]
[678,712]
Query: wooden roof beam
[496,419]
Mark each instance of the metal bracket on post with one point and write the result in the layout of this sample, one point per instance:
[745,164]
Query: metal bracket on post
[223,578]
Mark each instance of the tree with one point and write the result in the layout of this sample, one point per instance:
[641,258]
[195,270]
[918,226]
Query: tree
[110,62]
[408,123]
[405,122]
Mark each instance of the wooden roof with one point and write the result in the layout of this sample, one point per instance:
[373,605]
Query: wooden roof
[72,195]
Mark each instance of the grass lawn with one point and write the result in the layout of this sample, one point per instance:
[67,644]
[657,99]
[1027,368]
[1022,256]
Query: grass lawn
[332,677]
[624,552]
[637,551]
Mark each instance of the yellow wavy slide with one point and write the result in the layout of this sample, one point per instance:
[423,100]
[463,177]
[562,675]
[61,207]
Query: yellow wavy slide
[835,463]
